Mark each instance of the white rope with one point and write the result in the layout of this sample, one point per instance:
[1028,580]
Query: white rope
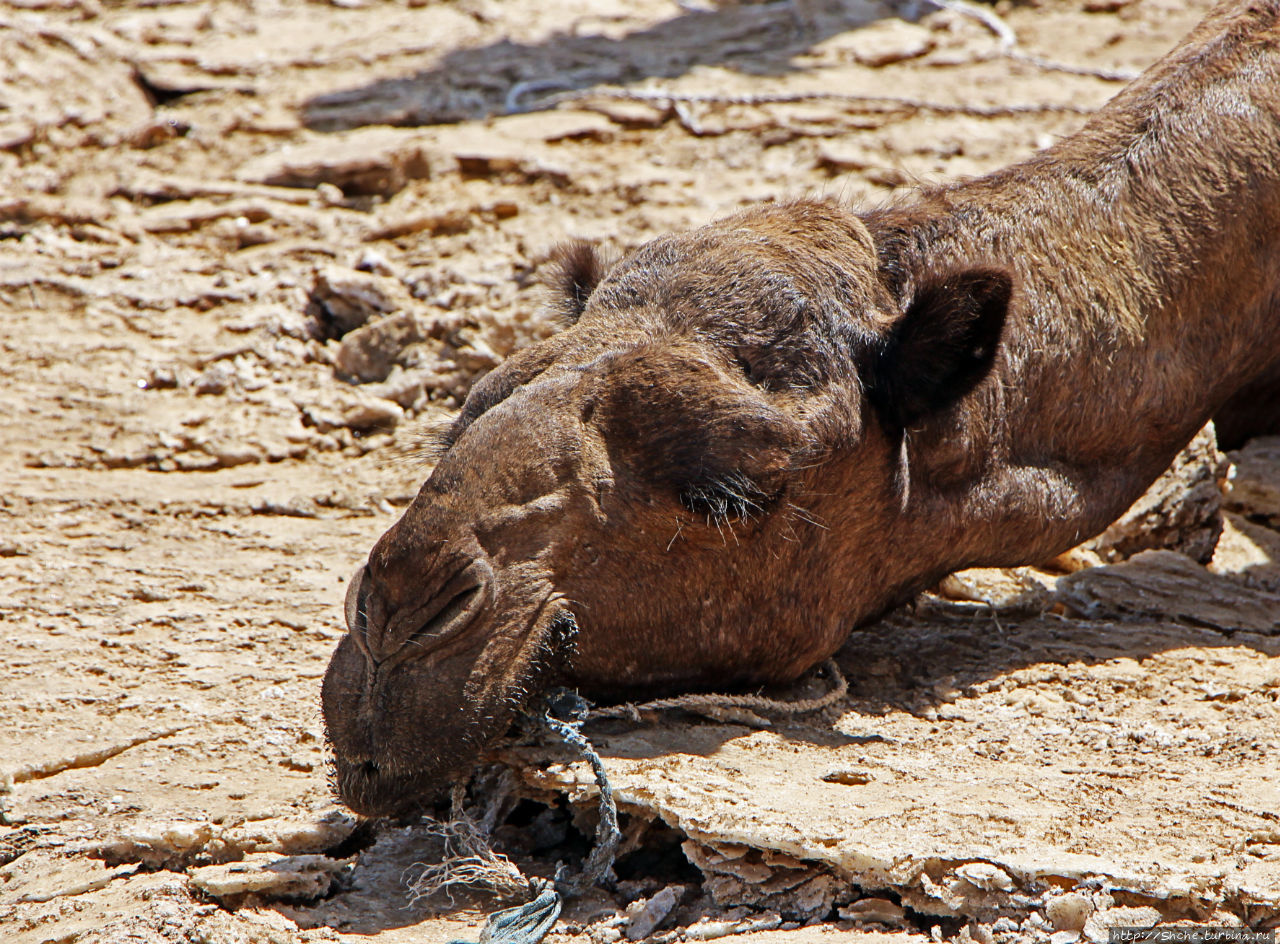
[469,859]
[871,102]
[1007,41]
[702,703]
[1002,30]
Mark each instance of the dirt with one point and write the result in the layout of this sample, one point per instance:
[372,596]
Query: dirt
[249,250]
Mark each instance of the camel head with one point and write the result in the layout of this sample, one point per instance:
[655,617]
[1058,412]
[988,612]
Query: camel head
[694,484]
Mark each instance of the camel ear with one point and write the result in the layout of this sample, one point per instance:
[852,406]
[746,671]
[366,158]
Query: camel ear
[944,345]
[575,269]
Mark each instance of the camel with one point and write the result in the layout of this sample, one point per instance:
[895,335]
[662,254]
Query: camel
[751,439]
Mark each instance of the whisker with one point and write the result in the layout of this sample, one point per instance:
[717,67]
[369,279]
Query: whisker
[805,516]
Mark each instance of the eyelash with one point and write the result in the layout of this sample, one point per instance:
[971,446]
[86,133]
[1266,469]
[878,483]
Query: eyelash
[434,440]
[750,371]
[729,498]
[438,438]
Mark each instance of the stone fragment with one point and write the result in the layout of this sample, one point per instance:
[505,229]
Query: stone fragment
[215,379]
[60,78]
[373,261]
[848,777]
[276,320]
[408,388]
[269,875]
[840,156]
[296,507]
[30,208]
[647,914]
[363,161]
[1254,489]
[888,176]
[1076,558]
[165,377]
[811,899]
[558,125]
[1098,924]
[368,353]
[154,132]
[225,454]
[1015,589]
[1068,912]
[879,44]
[1181,511]
[632,114]
[1168,585]
[705,930]
[369,412]
[292,836]
[447,221]
[879,910]
[506,147]
[475,354]
[986,876]
[343,300]
[156,844]
[1248,552]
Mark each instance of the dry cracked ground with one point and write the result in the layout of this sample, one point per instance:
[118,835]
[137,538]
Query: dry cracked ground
[248,247]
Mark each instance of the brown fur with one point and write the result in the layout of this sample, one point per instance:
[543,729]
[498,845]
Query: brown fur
[761,434]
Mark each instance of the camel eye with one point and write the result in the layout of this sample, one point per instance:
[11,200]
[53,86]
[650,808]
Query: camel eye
[732,497]
[751,370]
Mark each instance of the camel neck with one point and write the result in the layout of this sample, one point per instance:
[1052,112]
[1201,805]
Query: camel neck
[1143,253]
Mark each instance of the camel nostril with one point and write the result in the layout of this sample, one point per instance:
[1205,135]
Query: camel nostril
[455,614]
[420,625]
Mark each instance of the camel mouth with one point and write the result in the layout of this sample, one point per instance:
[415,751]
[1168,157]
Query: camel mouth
[371,789]
[403,733]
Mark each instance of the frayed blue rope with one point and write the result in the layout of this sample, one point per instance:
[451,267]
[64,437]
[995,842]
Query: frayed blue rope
[600,861]
[529,923]
[523,924]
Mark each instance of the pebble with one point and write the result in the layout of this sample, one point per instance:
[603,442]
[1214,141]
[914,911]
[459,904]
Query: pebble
[986,876]
[710,930]
[373,261]
[215,380]
[1068,912]
[880,44]
[879,910]
[369,412]
[647,914]
[368,353]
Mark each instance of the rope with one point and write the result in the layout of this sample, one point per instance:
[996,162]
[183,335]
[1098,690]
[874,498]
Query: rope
[1001,30]
[1007,44]
[874,102]
[469,859]
[702,703]
[608,835]
[523,924]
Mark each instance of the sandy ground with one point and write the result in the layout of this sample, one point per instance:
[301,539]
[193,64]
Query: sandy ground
[216,217]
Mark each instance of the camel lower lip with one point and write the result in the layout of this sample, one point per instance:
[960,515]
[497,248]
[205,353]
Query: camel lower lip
[372,791]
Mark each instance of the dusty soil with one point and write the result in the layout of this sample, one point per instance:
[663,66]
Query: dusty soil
[248,247]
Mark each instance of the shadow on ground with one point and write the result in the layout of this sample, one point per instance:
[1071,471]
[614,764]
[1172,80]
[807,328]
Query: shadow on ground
[505,76]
